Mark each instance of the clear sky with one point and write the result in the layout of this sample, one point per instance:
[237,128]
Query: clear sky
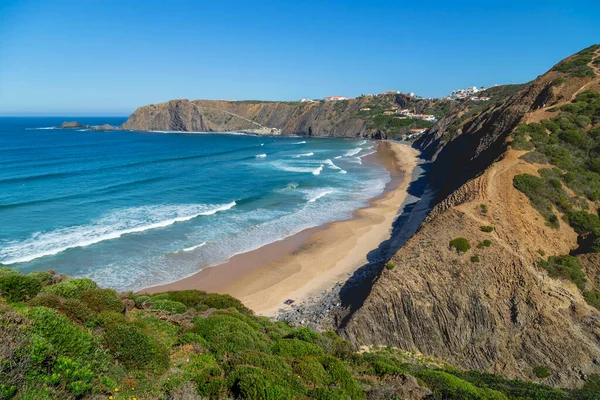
[85,57]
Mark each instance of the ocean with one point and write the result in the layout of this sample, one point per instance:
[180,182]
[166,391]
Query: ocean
[135,209]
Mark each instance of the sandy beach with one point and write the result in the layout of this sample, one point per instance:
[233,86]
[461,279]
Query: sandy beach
[311,261]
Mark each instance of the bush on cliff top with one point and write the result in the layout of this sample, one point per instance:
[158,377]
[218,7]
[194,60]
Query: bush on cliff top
[71,288]
[15,287]
[99,300]
[82,352]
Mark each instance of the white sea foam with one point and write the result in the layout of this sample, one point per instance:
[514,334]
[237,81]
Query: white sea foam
[333,166]
[294,168]
[111,226]
[316,196]
[367,153]
[337,157]
[43,128]
[302,142]
[304,155]
[260,155]
[194,247]
[362,142]
[353,152]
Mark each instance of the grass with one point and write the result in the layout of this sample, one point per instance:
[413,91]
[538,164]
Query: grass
[73,342]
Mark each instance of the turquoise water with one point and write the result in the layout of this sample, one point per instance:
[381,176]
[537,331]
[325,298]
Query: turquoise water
[132,209]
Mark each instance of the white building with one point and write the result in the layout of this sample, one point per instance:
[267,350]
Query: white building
[335,98]
[306,101]
[463,93]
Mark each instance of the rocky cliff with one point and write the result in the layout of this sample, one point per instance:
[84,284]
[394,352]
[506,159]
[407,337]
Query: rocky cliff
[491,308]
[337,118]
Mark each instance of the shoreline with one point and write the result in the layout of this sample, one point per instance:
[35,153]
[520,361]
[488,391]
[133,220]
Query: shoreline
[308,263]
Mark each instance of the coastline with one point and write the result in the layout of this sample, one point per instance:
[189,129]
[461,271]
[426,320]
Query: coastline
[310,262]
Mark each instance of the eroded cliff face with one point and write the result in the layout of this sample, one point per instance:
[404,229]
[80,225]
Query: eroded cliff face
[498,311]
[336,119]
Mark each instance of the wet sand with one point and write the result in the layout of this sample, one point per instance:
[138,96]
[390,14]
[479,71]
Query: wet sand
[313,260]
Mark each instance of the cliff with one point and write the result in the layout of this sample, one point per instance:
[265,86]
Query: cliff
[491,308]
[336,118]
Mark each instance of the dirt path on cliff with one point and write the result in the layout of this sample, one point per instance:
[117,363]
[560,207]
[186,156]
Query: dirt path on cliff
[594,84]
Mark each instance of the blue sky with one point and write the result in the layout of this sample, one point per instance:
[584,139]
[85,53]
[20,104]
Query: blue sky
[109,57]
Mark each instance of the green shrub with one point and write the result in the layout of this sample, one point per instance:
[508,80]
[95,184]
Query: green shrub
[107,318]
[451,387]
[208,382]
[72,376]
[487,228]
[191,298]
[67,338]
[543,195]
[305,334]
[228,335]
[71,288]
[221,301]
[590,389]
[566,267]
[16,288]
[311,370]
[485,243]
[76,310]
[461,244]
[273,364]
[135,348]
[390,265]
[384,367]
[257,384]
[142,300]
[45,299]
[514,389]
[340,375]
[171,307]
[593,298]
[43,277]
[328,394]
[295,348]
[541,372]
[4,271]
[475,259]
[99,300]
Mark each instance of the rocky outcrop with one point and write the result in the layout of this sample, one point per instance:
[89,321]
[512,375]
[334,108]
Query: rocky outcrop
[492,308]
[105,127]
[71,125]
[77,125]
[337,119]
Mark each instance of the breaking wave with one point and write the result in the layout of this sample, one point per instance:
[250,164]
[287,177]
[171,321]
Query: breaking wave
[111,226]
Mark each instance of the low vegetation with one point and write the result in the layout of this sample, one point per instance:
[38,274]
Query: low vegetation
[485,243]
[461,244]
[73,340]
[487,228]
[570,142]
[577,65]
